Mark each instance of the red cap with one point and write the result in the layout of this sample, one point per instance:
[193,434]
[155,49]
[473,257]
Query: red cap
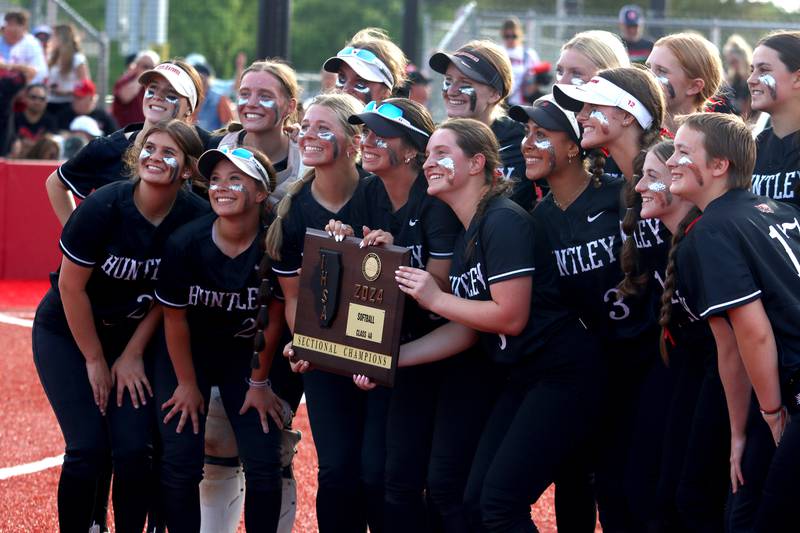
[84,88]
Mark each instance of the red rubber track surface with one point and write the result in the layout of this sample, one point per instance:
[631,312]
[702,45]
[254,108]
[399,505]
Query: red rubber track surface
[28,433]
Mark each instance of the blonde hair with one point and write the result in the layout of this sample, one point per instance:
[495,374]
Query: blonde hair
[285,75]
[343,106]
[699,58]
[604,49]
[737,45]
[69,45]
[378,42]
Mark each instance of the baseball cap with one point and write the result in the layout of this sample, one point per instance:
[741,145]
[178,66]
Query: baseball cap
[84,88]
[86,124]
[549,115]
[364,62]
[176,77]
[387,120]
[600,91]
[631,15]
[471,63]
[42,28]
[239,156]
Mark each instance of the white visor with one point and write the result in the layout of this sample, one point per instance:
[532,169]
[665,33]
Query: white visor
[600,91]
[177,77]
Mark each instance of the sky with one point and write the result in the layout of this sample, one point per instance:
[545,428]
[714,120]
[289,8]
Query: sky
[788,5]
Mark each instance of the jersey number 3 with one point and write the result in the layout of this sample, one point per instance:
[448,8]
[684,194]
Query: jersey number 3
[619,310]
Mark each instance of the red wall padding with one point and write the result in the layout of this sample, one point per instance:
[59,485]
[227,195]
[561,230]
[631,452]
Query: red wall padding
[29,230]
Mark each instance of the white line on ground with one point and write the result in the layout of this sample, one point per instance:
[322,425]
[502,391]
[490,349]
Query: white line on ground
[14,321]
[31,468]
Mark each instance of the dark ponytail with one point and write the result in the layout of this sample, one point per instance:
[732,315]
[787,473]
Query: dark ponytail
[670,280]
[597,166]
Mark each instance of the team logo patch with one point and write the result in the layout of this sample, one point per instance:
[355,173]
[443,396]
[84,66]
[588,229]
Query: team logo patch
[764,208]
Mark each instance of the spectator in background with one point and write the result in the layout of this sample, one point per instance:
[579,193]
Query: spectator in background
[45,148]
[128,93]
[34,122]
[738,56]
[417,86]
[19,50]
[215,111]
[11,81]
[67,67]
[84,102]
[43,32]
[631,27]
[523,60]
[85,127]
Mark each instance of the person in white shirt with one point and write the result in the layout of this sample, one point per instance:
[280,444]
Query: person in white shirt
[522,59]
[19,50]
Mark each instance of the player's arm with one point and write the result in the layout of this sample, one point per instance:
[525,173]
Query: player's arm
[290,286]
[506,313]
[445,341]
[737,388]
[127,372]
[259,394]
[187,399]
[61,199]
[78,310]
[440,270]
[756,342]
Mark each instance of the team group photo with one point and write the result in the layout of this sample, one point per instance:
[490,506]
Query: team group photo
[405,267]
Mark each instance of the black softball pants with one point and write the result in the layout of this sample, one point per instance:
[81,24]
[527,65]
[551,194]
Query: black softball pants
[349,430]
[436,417]
[545,412]
[124,433]
[183,453]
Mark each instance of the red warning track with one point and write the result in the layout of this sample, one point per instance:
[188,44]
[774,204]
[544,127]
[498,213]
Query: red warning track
[29,433]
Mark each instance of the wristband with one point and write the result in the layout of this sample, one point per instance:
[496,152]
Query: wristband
[266,384]
[772,412]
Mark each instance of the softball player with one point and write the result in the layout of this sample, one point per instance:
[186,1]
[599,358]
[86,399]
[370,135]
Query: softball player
[477,78]
[173,90]
[737,266]
[92,328]
[216,308]
[776,59]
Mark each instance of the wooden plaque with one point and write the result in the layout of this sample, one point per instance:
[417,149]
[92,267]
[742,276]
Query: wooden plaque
[349,308]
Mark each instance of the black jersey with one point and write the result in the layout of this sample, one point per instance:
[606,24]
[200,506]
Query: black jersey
[100,162]
[506,247]
[509,134]
[306,212]
[219,293]
[743,248]
[586,241]
[777,169]
[425,225]
[108,234]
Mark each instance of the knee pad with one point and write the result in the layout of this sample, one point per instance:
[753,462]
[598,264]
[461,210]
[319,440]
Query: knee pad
[288,505]
[220,440]
[221,498]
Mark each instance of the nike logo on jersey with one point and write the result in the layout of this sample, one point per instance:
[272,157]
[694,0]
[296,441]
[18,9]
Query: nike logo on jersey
[591,219]
[413,222]
[585,257]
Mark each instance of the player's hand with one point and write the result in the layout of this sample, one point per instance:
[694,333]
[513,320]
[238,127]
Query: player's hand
[100,380]
[737,452]
[339,230]
[363,382]
[127,372]
[187,401]
[375,237]
[418,284]
[263,400]
[297,365]
[777,423]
